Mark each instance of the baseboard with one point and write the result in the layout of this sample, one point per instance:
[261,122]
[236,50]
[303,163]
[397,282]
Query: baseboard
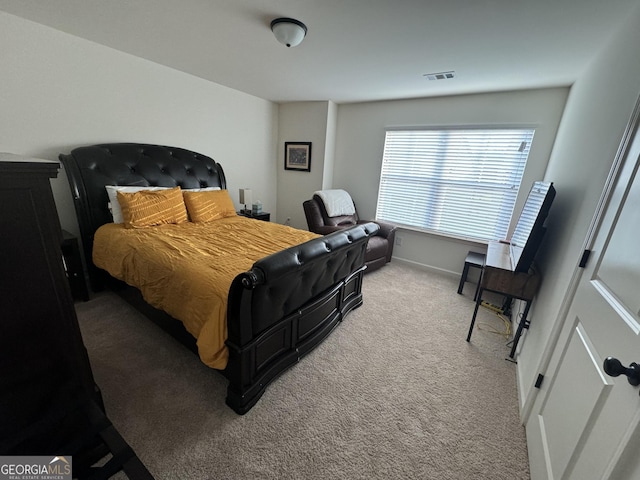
[423,266]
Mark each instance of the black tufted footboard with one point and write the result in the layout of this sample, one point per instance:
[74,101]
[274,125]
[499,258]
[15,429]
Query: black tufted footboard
[287,304]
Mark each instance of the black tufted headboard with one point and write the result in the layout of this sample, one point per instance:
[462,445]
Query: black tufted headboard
[90,168]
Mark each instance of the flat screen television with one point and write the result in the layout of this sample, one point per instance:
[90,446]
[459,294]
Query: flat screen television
[529,231]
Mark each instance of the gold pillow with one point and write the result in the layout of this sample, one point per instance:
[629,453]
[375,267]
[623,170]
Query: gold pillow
[208,206]
[148,208]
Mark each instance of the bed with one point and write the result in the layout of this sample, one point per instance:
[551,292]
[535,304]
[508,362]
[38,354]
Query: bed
[277,310]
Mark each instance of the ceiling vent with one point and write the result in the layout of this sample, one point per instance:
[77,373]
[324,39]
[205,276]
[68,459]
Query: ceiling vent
[440,75]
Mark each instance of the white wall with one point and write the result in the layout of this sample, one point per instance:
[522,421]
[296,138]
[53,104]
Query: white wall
[596,115]
[303,122]
[330,147]
[360,142]
[60,91]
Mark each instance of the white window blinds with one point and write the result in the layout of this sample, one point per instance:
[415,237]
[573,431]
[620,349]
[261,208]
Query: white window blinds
[461,183]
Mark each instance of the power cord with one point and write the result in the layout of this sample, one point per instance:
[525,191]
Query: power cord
[518,316]
[500,314]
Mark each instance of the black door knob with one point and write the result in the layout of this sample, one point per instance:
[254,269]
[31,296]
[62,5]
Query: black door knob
[614,368]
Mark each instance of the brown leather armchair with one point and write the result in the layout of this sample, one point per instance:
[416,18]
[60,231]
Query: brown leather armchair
[379,247]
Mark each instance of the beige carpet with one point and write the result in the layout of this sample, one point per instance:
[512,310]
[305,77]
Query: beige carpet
[394,392]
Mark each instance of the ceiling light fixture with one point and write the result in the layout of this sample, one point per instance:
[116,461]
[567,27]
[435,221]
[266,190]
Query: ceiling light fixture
[288,31]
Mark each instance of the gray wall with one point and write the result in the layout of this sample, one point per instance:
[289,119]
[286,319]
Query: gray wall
[360,141]
[303,122]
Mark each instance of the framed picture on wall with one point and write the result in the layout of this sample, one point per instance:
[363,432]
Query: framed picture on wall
[297,156]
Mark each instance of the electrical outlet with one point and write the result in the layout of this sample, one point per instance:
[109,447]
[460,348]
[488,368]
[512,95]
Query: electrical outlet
[398,241]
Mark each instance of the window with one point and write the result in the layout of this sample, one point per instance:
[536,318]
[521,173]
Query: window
[456,182]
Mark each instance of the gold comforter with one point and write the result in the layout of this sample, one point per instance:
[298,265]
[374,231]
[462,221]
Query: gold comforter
[187,269]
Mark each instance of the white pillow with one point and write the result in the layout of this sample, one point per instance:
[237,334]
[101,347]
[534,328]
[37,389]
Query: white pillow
[114,206]
[203,189]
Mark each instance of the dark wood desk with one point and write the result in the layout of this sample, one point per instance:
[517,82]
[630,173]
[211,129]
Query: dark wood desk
[498,276]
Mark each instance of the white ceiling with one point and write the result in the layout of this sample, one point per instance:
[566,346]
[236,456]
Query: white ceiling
[355,50]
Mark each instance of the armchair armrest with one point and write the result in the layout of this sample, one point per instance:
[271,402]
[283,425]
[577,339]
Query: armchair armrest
[388,232]
[386,229]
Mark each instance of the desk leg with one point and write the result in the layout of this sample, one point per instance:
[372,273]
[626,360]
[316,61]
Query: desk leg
[523,324]
[475,296]
[463,277]
[475,312]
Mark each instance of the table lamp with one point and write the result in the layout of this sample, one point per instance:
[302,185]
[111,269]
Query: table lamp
[246,198]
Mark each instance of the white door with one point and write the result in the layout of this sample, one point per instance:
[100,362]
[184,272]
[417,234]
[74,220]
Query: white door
[585,423]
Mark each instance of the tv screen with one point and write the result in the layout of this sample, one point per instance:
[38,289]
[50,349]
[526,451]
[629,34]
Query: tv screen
[530,228]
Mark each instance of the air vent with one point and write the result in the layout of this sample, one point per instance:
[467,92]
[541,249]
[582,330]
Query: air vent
[440,75]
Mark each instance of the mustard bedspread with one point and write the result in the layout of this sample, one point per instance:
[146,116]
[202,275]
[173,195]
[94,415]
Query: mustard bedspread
[187,269]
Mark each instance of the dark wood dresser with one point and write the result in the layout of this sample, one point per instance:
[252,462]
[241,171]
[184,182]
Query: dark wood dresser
[48,397]
[43,363]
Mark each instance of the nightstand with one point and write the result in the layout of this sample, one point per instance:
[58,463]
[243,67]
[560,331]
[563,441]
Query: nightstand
[265,216]
[73,266]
